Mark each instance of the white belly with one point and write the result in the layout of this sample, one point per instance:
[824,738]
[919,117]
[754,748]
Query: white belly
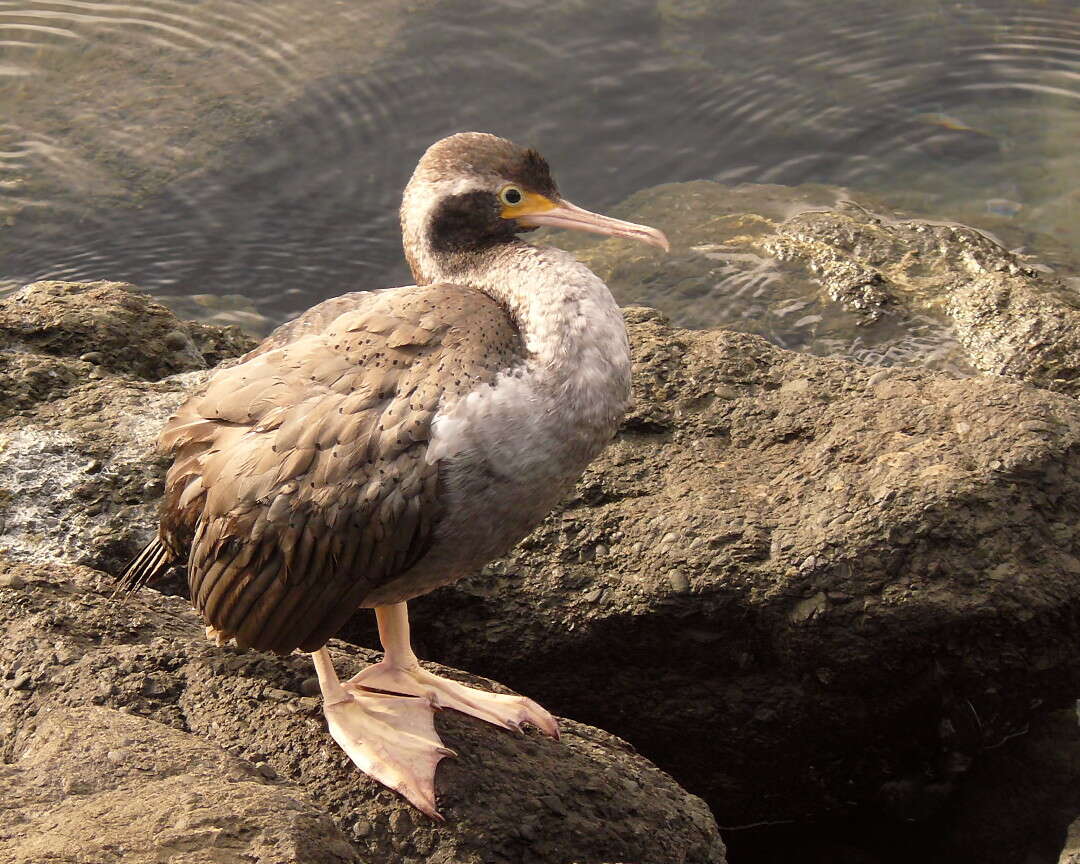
[508,455]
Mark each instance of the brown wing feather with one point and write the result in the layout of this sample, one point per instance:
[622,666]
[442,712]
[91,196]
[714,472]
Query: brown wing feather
[300,477]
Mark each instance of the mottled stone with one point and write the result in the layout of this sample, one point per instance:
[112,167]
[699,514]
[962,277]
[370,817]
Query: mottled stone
[110,324]
[588,797]
[1070,854]
[91,781]
[79,476]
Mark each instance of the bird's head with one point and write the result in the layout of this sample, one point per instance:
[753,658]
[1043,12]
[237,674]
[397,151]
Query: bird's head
[473,192]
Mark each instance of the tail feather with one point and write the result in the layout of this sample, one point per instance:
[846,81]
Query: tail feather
[144,568]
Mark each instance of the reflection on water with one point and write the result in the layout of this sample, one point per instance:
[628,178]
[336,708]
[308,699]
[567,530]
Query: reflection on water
[258,150]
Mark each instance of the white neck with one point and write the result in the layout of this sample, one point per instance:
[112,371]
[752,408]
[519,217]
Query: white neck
[571,326]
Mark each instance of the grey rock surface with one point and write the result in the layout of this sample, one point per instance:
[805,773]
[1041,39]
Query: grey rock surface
[792,567]
[71,658]
[1070,854]
[813,269]
[83,395]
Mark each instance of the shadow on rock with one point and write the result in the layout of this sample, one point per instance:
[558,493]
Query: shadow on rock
[794,582]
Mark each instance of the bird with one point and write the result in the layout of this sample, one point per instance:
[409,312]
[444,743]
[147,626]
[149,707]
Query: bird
[388,442]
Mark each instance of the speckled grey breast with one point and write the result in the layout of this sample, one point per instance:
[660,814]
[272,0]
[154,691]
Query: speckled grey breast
[301,478]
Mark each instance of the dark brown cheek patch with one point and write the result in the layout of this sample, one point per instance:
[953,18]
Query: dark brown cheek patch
[463,222]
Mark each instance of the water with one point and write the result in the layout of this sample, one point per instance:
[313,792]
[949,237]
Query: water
[258,150]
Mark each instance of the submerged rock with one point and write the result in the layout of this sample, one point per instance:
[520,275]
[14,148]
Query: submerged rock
[811,268]
[71,659]
[1010,318]
[149,112]
[724,272]
[794,582]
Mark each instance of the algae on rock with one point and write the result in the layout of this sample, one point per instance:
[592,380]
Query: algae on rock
[88,375]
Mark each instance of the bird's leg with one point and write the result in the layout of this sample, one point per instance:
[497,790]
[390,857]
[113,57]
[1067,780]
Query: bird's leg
[400,672]
[390,738]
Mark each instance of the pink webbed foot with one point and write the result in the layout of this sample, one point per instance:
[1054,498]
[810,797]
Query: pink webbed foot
[390,738]
[393,740]
[496,708]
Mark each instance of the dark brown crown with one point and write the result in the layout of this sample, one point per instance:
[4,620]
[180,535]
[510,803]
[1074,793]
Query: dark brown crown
[478,153]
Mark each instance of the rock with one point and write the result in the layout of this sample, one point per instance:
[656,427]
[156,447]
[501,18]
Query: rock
[184,116]
[588,797]
[79,476]
[814,572]
[723,272]
[52,506]
[820,570]
[812,269]
[1010,318]
[111,325]
[1070,854]
[92,780]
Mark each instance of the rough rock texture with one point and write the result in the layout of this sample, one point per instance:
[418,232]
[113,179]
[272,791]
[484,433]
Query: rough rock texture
[95,784]
[1070,854]
[812,269]
[79,476]
[785,567]
[112,326]
[1010,318]
[789,567]
[65,644]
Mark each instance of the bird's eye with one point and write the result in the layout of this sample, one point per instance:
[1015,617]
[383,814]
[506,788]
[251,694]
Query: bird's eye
[511,195]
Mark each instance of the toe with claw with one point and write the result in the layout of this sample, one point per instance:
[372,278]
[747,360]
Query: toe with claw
[496,708]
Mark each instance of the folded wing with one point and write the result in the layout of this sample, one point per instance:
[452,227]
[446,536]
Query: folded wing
[300,477]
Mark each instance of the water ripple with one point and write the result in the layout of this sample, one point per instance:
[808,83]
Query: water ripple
[259,149]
